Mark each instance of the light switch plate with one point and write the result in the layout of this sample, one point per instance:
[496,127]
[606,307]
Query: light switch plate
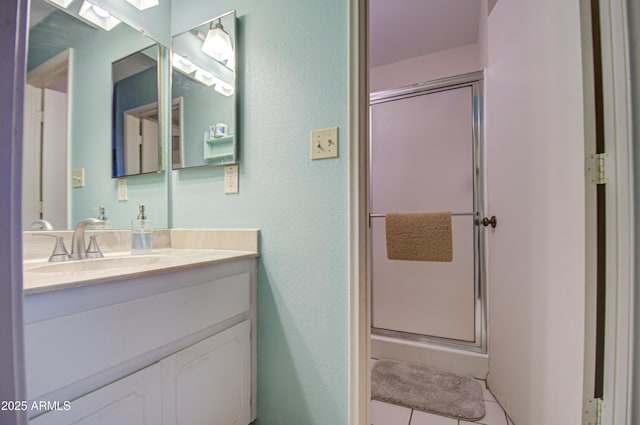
[231,178]
[78,177]
[324,143]
[123,191]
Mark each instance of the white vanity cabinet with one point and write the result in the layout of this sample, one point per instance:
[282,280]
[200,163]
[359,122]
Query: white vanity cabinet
[134,399]
[172,348]
[209,380]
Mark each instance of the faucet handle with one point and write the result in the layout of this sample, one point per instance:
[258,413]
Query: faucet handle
[59,250]
[93,250]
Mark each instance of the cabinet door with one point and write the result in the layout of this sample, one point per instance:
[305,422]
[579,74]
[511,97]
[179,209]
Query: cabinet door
[133,400]
[209,382]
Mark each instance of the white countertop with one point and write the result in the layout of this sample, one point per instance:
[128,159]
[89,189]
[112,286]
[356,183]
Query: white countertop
[185,249]
[86,273]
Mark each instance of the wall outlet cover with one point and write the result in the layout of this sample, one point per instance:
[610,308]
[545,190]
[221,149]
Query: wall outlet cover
[123,191]
[231,179]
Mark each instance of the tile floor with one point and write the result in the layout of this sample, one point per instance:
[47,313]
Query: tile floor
[390,414]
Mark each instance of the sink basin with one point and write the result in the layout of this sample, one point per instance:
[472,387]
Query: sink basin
[99,264]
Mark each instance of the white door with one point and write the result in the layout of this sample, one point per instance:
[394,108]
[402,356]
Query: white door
[149,146]
[31,206]
[209,383]
[45,165]
[422,160]
[132,141]
[133,400]
[55,168]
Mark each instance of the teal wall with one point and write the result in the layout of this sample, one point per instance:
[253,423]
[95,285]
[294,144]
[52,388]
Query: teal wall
[293,70]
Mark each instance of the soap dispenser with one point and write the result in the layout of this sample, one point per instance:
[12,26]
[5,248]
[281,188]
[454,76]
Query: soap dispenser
[141,233]
[102,215]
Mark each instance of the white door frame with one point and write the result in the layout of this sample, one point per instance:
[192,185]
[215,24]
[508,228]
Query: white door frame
[620,213]
[13,36]
[359,296]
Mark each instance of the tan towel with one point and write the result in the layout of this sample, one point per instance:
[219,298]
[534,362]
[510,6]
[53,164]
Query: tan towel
[419,236]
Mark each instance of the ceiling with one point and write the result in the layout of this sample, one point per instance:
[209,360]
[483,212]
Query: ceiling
[403,29]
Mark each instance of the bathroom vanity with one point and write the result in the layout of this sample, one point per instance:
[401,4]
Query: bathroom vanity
[166,338]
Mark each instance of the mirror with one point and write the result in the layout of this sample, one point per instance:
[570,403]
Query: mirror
[203,90]
[135,125]
[72,64]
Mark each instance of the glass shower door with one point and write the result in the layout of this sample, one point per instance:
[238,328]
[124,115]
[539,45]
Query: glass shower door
[424,159]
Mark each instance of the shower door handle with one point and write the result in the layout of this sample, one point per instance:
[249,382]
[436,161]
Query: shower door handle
[486,222]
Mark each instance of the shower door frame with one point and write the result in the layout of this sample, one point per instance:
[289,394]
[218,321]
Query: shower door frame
[475,81]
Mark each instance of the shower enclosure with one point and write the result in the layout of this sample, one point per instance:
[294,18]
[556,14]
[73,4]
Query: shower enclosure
[425,156]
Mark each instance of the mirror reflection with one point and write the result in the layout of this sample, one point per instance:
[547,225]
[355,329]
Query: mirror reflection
[68,124]
[204,95]
[136,135]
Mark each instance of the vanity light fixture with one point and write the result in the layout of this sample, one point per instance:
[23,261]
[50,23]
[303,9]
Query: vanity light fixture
[217,43]
[143,4]
[224,88]
[98,16]
[62,3]
[205,77]
[208,79]
[183,64]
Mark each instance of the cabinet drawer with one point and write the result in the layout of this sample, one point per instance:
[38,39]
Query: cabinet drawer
[64,350]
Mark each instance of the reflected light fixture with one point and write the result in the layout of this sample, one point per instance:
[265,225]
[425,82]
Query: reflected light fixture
[224,88]
[143,4]
[208,79]
[205,77]
[183,64]
[98,16]
[62,3]
[217,43]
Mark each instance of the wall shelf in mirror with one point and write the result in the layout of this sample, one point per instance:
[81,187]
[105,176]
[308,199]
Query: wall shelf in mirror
[219,150]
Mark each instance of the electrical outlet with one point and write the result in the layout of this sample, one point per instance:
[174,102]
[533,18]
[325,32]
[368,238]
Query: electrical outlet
[123,192]
[324,143]
[78,177]
[231,178]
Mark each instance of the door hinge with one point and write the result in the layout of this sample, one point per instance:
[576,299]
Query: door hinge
[592,412]
[597,168]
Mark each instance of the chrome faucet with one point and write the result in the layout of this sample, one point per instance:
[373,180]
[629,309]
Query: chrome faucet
[42,224]
[78,247]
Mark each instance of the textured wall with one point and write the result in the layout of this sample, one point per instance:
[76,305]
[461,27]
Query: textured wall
[293,62]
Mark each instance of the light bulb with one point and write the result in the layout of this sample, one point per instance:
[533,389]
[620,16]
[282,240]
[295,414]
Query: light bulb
[100,11]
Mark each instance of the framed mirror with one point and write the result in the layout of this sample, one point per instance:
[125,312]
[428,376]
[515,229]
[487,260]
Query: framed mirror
[68,125]
[135,120]
[203,91]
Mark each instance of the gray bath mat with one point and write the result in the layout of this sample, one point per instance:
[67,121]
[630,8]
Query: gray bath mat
[427,389]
